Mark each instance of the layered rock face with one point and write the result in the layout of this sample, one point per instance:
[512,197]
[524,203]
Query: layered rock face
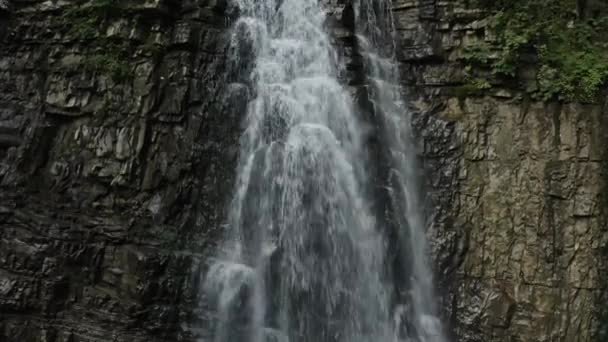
[112,189]
[517,187]
[115,174]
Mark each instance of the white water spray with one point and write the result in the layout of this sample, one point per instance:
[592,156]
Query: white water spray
[376,37]
[304,259]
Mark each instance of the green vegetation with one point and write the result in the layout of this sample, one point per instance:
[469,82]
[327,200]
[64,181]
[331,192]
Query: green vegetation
[111,62]
[84,20]
[566,43]
[167,236]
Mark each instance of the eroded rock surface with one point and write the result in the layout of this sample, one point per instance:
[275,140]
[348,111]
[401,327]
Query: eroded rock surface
[517,189]
[113,189]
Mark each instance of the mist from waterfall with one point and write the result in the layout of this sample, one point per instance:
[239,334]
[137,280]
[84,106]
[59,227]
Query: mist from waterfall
[304,257]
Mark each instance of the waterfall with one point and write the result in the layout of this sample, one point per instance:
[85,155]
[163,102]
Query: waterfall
[304,258]
[376,37]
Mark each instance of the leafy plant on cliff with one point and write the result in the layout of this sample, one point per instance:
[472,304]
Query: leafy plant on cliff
[110,62]
[568,45]
[84,20]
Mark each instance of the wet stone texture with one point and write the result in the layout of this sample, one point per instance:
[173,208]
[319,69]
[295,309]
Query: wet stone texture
[516,190]
[112,190]
[115,174]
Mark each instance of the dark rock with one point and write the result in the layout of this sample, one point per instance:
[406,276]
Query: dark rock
[113,191]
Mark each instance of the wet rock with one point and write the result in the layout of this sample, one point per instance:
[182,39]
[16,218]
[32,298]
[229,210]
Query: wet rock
[113,192]
[514,192]
[111,189]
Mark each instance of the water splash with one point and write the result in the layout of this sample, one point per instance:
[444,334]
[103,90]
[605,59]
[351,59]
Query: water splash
[304,258]
[376,36]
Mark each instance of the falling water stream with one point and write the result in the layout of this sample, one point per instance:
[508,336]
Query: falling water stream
[305,257]
[376,37]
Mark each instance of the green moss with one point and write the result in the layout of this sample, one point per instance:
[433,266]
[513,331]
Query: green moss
[568,47]
[107,64]
[473,85]
[167,237]
[84,20]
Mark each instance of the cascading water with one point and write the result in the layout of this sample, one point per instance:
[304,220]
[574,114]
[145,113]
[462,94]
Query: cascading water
[375,34]
[305,258]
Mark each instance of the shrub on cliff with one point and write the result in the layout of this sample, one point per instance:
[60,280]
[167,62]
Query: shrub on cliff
[568,40]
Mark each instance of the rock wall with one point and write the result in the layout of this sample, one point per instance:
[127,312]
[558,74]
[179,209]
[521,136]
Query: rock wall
[112,190]
[516,187]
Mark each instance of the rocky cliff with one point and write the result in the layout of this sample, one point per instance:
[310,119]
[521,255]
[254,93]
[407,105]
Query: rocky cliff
[117,155]
[517,187]
[118,140]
